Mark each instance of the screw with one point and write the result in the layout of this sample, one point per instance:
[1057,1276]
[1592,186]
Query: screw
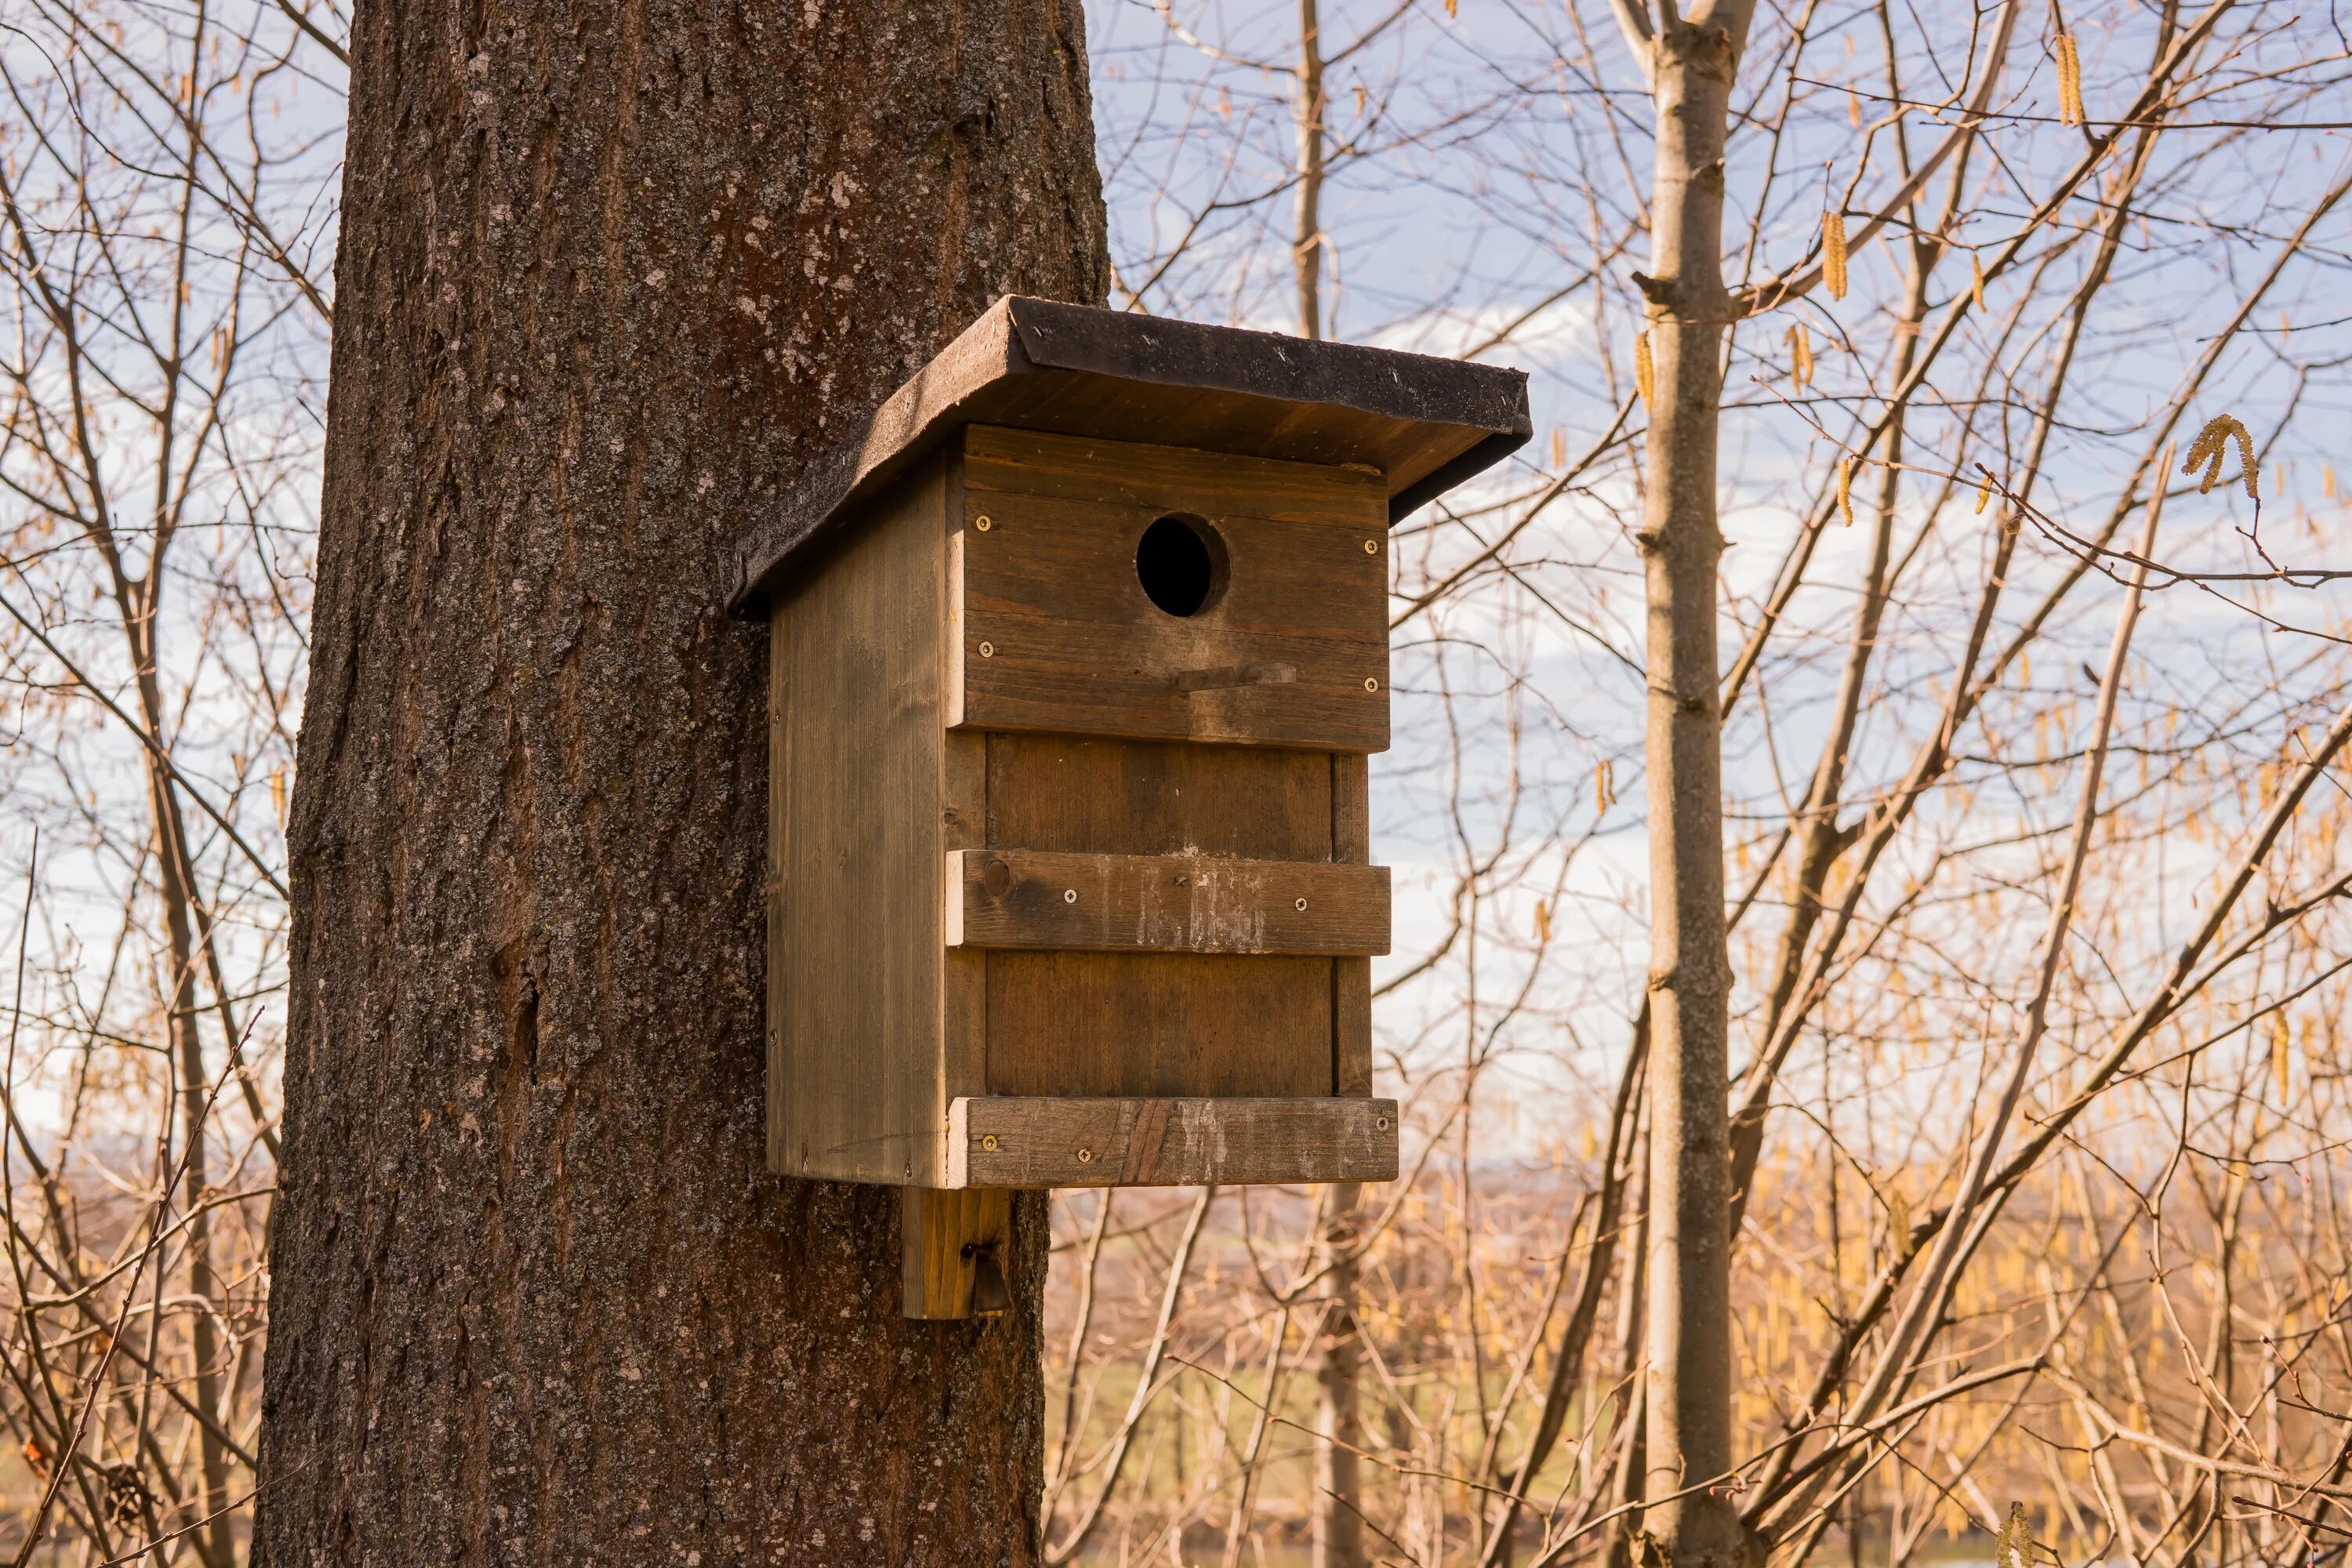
[1371,683]
[1069,895]
[982,524]
[1085,1156]
[1372,547]
[988,1140]
[1301,906]
[988,650]
[1381,1124]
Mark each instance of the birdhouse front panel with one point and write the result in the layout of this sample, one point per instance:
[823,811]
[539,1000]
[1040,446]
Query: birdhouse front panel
[1119,588]
[1078,650]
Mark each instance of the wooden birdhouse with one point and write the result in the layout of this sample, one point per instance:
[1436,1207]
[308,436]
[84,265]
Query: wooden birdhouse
[1079,646]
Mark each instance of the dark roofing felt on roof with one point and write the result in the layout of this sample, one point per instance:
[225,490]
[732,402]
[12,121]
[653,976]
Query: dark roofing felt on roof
[1426,423]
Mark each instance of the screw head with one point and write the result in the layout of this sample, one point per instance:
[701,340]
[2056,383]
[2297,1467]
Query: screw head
[1085,1156]
[1381,1124]
[1301,905]
[1372,547]
[982,524]
[1371,682]
[988,650]
[1069,895]
[987,1141]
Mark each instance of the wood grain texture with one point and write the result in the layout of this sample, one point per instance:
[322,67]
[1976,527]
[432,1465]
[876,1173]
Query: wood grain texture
[1351,978]
[588,327]
[940,1237]
[857,839]
[1158,1024]
[1124,1142]
[1106,796]
[1044,898]
[1057,633]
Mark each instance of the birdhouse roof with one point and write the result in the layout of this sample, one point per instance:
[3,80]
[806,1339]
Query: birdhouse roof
[1426,424]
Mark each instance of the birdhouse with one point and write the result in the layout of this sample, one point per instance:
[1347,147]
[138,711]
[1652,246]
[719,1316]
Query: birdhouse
[1079,646]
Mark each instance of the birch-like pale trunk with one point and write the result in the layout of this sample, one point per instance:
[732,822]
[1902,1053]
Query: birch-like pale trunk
[1691,62]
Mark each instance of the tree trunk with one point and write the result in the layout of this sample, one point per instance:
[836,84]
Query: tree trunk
[1688,1429]
[1337,1511]
[609,277]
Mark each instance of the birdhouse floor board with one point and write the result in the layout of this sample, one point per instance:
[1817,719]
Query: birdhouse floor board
[1026,1143]
[1048,899]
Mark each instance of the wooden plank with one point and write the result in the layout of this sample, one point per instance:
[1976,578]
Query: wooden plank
[1044,898]
[1108,796]
[1351,978]
[946,1239]
[1057,633]
[857,847]
[1031,1143]
[1424,424]
[1158,1024]
[1004,466]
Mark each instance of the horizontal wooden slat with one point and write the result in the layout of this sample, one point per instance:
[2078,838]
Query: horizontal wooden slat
[1031,1143]
[1163,903]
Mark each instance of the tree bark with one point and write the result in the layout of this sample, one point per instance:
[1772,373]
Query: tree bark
[608,278]
[1691,62]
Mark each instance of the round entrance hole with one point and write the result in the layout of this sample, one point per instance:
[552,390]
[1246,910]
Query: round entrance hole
[1180,562]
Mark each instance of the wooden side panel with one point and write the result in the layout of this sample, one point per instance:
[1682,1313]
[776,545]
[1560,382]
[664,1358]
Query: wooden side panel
[1002,1143]
[1351,978]
[1044,898]
[1058,633]
[857,848]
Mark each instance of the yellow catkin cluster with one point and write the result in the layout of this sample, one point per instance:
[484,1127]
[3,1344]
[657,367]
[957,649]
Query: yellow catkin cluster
[1976,281]
[1800,356]
[1604,786]
[1846,490]
[2206,452]
[1645,373]
[2070,81]
[1833,253]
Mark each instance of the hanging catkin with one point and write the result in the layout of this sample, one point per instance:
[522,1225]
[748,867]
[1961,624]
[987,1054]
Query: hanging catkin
[1833,253]
[1976,281]
[2212,443]
[1846,490]
[1645,374]
[2070,81]
[1800,356]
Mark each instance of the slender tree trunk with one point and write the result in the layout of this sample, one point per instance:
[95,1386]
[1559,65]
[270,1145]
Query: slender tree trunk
[1338,1516]
[609,277]
[1335,1511]
[1692,62]
[174,873]
[1306,239]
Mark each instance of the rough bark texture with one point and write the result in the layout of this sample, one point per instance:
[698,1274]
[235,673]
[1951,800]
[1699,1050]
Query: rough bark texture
[1688,1431]
[608,277]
